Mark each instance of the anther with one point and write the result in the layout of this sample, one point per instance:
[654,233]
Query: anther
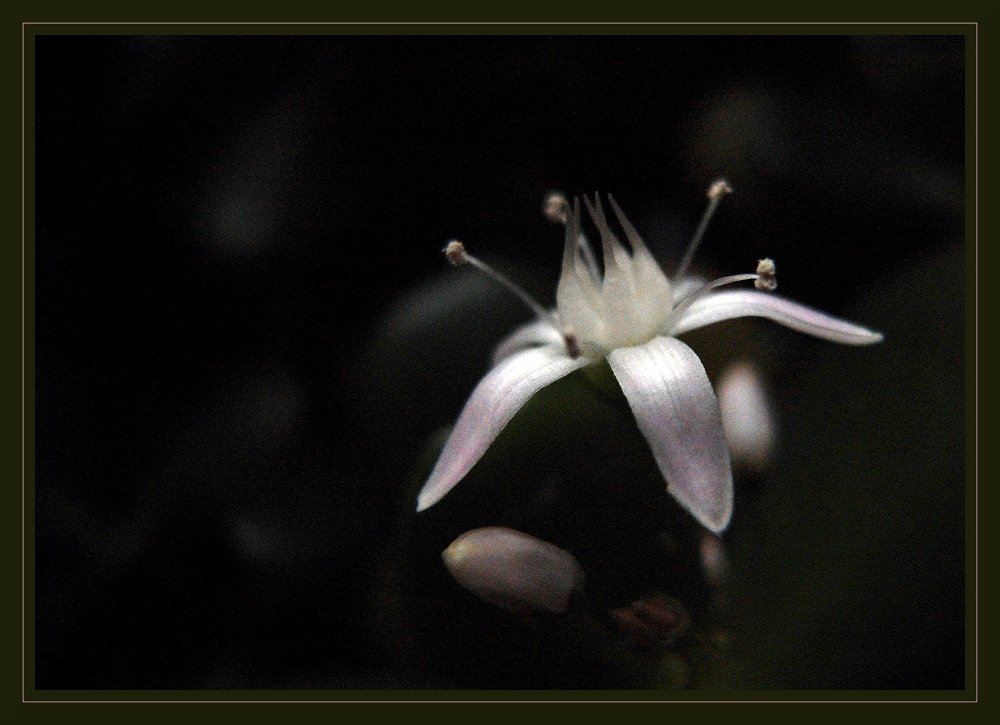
[556,208]
[766,279]
[719,188]
[455,252]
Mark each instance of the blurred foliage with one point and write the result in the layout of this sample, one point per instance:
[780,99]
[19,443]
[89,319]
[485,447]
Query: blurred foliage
[850,562]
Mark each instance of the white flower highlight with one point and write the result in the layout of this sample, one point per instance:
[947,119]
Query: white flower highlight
[630,315]
[746,415]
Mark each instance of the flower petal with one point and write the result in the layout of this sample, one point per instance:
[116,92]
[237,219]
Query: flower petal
[719,306]
[532,334]
[677,412]
[496,399]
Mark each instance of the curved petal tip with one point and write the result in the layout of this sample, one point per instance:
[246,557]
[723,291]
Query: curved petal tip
[719,306]
[504,390]
[677,412]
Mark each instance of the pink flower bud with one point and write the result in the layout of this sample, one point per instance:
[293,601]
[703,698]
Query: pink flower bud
[514,570]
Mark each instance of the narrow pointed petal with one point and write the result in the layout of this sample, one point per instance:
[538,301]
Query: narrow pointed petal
[587,259]
[654,297]
[614,253]
[719,306]
[532,334]
[504,390]
[572,239]
[638,246]
[675,407]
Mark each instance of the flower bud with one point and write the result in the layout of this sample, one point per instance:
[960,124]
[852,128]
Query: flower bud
[714,562]
[514,570]
[655,619]
[746,416]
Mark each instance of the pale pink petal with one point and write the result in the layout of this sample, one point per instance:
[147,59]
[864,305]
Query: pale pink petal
[532,334]
[719,306]
[496,399]
[675,407]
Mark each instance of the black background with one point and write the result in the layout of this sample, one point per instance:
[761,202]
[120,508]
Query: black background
[222,224]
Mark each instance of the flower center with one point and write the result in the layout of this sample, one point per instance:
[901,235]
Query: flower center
[632,301]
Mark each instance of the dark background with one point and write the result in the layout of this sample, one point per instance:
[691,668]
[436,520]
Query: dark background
[230,397]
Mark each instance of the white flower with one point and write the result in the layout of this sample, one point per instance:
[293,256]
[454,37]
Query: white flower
[630,316]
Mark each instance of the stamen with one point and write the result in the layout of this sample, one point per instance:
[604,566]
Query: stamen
[767,280]
[758,279]
[715,193]
[728,280]
[455,251]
